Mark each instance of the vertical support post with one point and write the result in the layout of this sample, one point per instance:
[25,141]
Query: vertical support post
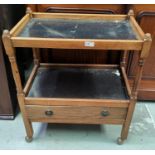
[36,52]
[11,54]
[29,11]
[143,55]
[36,56]
[123,59]
[130,13]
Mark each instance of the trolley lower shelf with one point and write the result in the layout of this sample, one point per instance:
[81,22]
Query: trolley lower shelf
[73,82]
[69,94]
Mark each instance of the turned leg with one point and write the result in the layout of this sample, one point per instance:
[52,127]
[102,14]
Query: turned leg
[123,59]
[36,56]
[126,125]
[133,98]
[27,122]
[20,94]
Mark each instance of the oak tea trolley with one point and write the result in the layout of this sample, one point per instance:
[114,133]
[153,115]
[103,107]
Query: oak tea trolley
[77,93]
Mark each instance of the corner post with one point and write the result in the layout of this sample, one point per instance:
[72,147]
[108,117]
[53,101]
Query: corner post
[124,53]
[10,51]
[143,55]
[36,52]
[130,13]
[123,59]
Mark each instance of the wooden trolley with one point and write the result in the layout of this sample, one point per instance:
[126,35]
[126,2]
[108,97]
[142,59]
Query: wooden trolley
[77,93]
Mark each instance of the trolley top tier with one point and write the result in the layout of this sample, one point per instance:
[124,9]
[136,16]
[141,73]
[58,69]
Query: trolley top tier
[81,31]
[78,29]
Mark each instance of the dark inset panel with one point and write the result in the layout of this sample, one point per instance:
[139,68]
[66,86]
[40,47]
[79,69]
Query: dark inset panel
[78,83]
[78,29]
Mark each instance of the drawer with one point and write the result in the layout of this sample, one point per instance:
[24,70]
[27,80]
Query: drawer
[76,114]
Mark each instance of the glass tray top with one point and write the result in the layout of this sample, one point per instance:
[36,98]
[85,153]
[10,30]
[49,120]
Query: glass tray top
[78,29]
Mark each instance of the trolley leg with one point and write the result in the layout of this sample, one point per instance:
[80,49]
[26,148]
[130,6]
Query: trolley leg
[126,125]
[10,50]
[27,122]
[133,99]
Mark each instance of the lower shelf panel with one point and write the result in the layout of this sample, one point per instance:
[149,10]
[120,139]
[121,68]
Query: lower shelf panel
[76,114]
[82,94]
[74,82]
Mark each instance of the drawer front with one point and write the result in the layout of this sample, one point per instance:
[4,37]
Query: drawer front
[76,114]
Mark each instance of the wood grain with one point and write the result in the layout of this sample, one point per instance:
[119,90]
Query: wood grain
[27,122]
[69,110]
[79,102]
[137,28]
[20,25]
[147,86]
[30,80]
[76,114]
[61,65]
[77,16]
[77,43]
[126,81]
[10,51]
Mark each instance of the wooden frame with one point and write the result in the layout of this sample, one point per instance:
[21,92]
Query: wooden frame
[39,109]
[78,43]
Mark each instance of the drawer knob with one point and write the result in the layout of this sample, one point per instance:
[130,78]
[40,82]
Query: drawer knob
[105,113]
[48,113]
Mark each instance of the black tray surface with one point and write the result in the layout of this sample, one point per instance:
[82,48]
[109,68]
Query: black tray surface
[78,29]
[78,83]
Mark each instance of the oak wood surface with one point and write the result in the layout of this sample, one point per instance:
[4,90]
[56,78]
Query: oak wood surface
[145,14]
[62,65]
[126,80]
[136,27]
[76,43]
[77,16]
[80,102]
[71,110]
[20,95]
[76,114]
[30,80]
[19,26]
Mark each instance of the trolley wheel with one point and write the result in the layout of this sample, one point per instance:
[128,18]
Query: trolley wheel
[120,141]
[28,139]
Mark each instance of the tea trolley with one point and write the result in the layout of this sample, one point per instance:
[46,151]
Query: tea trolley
[77,93]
